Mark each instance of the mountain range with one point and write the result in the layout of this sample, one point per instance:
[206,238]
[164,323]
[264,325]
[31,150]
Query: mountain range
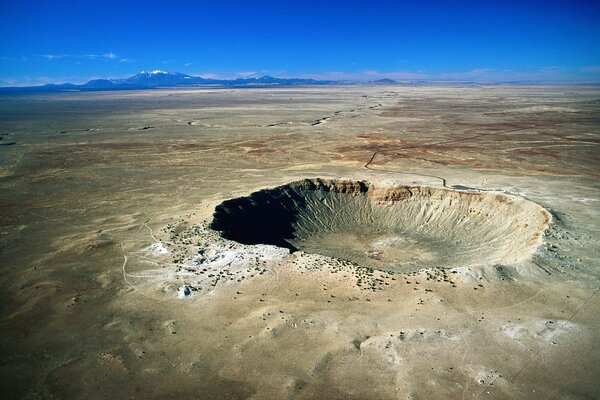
[164,79]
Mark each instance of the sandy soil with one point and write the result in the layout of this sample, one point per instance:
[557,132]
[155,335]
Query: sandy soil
[106,203]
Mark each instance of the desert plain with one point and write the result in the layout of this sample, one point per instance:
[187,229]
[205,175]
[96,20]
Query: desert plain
[336,242]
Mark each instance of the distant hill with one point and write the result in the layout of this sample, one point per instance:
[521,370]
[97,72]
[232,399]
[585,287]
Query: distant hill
[164,79]
[384,81]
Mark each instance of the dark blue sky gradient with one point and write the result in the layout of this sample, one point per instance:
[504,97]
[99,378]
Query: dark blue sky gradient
[470,40]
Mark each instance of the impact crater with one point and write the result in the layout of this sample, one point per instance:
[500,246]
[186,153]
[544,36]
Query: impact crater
[384,226]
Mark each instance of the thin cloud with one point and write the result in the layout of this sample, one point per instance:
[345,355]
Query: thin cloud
[245,74]
[10,82]
[110,56]
[209,75]
[105,56]
[29,81]
[51,57]
[14,59]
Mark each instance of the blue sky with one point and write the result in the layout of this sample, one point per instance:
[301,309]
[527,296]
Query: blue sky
[58,41]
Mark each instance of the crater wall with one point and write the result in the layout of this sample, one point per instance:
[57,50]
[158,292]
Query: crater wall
[389,227]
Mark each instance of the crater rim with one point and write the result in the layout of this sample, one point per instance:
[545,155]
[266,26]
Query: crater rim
[388,226]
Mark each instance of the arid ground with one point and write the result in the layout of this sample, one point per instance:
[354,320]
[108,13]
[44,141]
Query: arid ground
[406,242]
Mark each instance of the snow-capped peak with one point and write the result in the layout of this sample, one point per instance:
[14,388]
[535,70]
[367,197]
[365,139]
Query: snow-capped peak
[155,72]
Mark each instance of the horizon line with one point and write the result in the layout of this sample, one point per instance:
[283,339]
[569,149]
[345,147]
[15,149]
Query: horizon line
[476,76]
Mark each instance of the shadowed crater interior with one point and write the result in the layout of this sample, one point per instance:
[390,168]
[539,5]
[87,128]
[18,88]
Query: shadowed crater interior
[388,227]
